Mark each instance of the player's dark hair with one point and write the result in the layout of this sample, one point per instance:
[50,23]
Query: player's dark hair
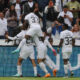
[60,20]
[66,26]
[50,39]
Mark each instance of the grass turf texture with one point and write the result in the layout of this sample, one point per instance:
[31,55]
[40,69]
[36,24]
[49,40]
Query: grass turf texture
[35,78]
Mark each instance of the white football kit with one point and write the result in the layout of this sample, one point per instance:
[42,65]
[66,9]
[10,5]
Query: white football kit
[67,37]
[42,52]
[35,28]
[25,47]
[41,48]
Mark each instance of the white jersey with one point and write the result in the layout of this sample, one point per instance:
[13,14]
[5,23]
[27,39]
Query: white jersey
[47,43]
[21,35]
[67,37]
[32,18]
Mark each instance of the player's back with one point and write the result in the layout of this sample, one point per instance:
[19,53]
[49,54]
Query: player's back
[32,18]
[67,37]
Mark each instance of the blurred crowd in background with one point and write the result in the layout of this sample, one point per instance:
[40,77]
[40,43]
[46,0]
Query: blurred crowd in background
[12,13]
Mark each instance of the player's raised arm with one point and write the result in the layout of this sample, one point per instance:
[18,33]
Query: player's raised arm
[49,44]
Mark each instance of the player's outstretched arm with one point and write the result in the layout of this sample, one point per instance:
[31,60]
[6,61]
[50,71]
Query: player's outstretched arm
[11,38]
[50,46]
[19,46]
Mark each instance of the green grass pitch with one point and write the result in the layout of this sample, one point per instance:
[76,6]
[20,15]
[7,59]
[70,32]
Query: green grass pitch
[35,78]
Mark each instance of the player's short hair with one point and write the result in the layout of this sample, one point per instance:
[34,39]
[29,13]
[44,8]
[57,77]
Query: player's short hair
[60,20]
[50,39]
[66,26]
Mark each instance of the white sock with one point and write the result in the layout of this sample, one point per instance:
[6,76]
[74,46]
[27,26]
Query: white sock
[66,69]
[35,71]
[21,43]
[49,64]
[19,70]
[69,66]
[43,67]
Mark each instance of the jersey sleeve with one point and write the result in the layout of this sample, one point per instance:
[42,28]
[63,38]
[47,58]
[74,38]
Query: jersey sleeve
[26,17]
[48,44]
[12,38]
[19,35]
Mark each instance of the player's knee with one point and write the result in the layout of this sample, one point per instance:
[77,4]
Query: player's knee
[33,62]
[39,60]
[20,60]
[65,61]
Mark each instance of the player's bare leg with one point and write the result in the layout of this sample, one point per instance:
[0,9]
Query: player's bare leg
[34,67]
[19,68]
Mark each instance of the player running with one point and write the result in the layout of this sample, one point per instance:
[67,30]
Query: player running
[66,41]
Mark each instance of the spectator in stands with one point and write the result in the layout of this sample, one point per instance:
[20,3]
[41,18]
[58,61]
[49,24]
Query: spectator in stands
[3,26]
[18,9]
[55,30]
[67,15]
[76,33]
[73,6]
[60,3]
[51,14]
[12,1]
[23,1]
[28,7]
[2,6]
[78,19]
[11,17]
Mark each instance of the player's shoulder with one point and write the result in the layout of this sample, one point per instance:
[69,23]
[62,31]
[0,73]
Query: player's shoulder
[29,14]
[70,32]
[62,32]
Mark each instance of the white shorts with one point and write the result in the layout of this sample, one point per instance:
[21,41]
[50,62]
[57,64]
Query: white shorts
[66,55]
[41,51]
[35,30]
[26,51]
[32,55]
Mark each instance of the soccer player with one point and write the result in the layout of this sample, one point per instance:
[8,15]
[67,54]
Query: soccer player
[66,41]
[24,52]
[34,22]
[49,42]
[42,57]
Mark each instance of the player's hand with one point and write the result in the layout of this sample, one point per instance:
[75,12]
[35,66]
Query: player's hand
[54,51]
[6,40]
[58,50]
[6,36]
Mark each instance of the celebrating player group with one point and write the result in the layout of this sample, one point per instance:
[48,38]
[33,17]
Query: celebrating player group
[30,35]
